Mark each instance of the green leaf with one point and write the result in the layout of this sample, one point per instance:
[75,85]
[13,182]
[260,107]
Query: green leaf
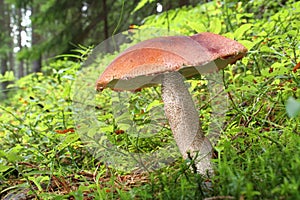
[141,4]
[4,168]
[38,181]
[239,32]
[266,49]
[215,26]
[198,27]
[248,44]
[153,104]
[2,154]
[71,138]
[248,88]
[8,76]
[13,154]
[292,107]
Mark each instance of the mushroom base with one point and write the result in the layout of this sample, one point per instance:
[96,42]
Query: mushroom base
[184,121]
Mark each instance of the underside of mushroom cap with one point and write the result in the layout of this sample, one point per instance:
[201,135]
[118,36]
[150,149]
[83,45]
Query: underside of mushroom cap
[142,64]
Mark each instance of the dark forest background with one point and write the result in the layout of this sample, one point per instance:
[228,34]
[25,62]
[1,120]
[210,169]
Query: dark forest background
[32,32]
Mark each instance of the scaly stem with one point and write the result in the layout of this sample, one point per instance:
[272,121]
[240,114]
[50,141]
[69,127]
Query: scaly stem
[184,121]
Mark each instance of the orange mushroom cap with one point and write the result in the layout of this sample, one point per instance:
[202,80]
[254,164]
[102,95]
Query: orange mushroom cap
[140,65]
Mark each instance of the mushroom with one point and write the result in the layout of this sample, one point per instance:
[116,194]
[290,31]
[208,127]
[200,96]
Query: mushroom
[167,61]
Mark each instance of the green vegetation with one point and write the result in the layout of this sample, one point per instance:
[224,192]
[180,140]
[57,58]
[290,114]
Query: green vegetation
[257,156]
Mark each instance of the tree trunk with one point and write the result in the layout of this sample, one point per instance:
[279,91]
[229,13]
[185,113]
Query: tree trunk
[183,3]
[37,65]
[6,42]
[105,27]
[35,40]
[105,18]
[3,94]
[20,29]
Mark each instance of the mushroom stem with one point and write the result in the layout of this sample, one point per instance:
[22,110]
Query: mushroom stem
[184,121]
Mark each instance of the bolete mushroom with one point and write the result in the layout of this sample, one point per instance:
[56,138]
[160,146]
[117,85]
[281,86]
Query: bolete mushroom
[168,60]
